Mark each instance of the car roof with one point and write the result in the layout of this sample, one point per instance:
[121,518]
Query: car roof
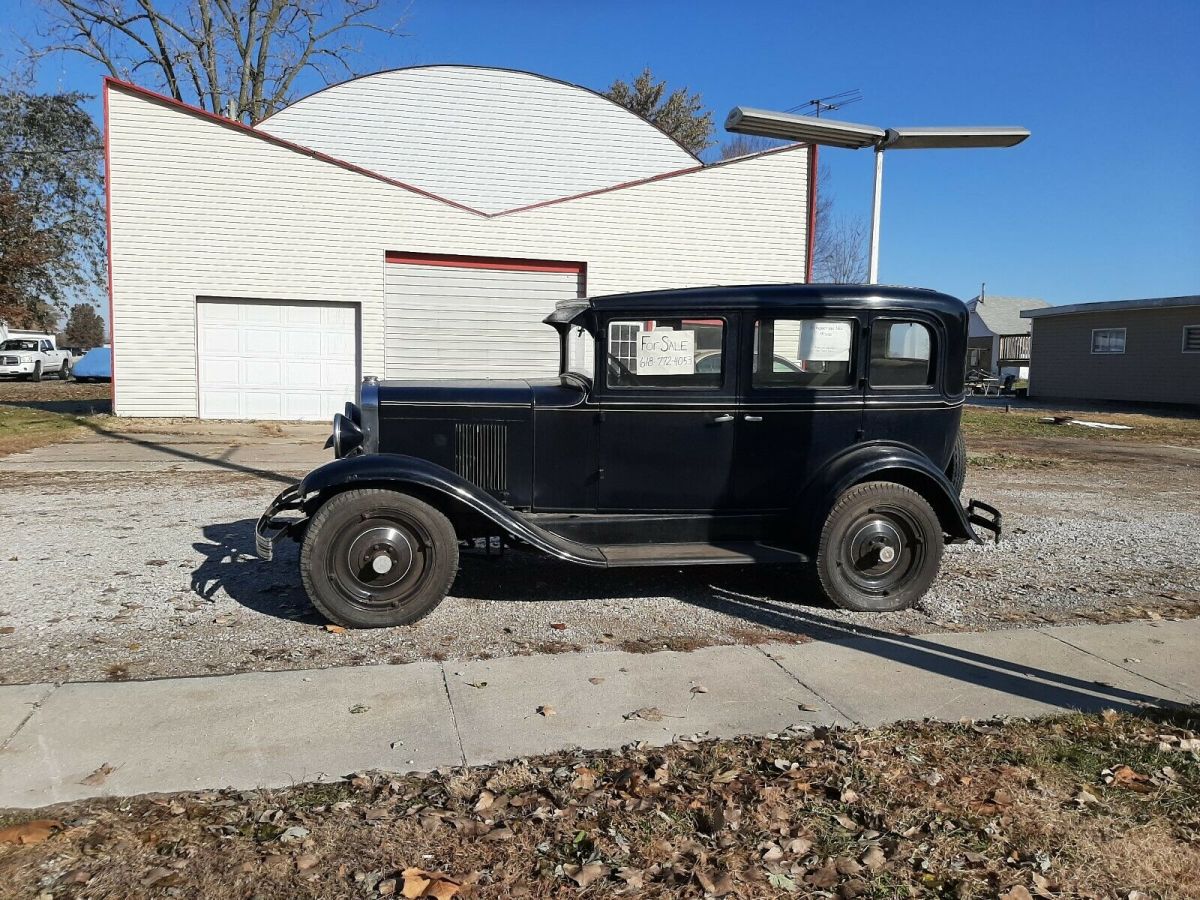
[766,296]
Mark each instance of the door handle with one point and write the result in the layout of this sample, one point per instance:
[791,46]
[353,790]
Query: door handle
[725,418]
[753,418]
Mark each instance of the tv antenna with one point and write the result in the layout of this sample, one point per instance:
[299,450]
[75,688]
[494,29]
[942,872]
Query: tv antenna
[826,104]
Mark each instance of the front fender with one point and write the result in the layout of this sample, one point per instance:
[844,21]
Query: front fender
[448,490]
[895,463]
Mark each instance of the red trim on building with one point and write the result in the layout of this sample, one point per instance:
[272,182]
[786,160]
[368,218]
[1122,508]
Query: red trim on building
[810,240]
[485,262]
[351,167]
[112,321]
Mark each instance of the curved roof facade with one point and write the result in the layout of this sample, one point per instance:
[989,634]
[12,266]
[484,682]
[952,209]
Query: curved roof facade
[490,139]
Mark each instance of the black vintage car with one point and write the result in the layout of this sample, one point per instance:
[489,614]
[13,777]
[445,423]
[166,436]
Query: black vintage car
[725,425]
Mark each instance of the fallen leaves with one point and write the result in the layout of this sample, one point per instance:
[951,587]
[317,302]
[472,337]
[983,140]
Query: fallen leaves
[335,629]
[419,883]
[586,874]
[647,713]
[33,832]
[546,711]
[1125,777]
[99,776]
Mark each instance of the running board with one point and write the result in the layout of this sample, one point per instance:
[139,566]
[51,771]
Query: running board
[699,554]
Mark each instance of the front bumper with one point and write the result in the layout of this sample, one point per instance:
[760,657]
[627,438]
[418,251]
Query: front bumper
[273,526]
[19,369]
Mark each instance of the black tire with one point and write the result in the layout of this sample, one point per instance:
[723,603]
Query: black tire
[870,523]
[957,470]
[37,372]
[65,371]
[356,530]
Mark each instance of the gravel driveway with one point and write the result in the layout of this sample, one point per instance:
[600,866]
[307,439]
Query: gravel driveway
[122,575]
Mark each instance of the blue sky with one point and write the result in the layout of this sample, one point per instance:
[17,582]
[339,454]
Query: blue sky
[1102,202]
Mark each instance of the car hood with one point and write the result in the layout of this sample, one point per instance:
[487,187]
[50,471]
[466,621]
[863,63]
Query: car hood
[457,392]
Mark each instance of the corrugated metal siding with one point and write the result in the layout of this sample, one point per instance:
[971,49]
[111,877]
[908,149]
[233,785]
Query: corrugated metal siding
[489,138]
[199,208]
[1153,368]
[446,322]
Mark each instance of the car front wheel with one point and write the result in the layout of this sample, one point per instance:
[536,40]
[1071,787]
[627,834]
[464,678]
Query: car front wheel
[377,558]
[880,548]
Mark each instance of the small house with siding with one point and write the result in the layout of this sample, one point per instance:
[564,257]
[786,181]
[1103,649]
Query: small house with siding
[1131,351]
[998,338]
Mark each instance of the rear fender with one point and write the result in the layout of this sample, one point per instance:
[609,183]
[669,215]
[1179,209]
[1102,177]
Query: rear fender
[894,463]
[457,498]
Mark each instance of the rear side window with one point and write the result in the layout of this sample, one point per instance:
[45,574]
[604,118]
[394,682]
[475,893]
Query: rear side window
[665,353]
[901,354]
[802,353]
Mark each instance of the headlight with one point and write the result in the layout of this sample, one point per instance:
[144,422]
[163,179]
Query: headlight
[347,436]
[25,359]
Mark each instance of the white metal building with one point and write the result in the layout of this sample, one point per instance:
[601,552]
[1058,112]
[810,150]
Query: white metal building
[413,223]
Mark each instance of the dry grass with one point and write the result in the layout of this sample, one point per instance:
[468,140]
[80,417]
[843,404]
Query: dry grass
[1176,430]
[973,810]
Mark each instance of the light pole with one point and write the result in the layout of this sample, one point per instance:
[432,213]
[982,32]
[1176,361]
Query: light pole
[851,136]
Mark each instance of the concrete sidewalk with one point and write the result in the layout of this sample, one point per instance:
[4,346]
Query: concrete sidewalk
[273,729]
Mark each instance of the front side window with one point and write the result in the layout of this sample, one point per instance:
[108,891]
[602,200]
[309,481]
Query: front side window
[802,353]
[901,354]
[665,353]
[1108,340]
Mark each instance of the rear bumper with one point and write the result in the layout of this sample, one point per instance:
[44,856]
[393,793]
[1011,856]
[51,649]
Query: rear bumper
[985,516]
[273,525]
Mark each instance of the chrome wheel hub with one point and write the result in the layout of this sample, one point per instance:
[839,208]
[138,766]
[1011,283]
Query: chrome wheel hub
[379,557]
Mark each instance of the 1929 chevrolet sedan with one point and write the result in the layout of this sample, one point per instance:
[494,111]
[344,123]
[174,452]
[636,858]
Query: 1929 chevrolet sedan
[707,426]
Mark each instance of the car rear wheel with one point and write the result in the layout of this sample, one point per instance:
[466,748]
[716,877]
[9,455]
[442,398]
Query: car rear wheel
[880,548]
[37,372]
[64,371]
[377,558]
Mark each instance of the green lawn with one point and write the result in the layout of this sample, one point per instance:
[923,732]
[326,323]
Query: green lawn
[22,428]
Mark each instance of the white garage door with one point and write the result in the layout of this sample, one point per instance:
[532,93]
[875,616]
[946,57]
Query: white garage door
[474,320]
[261,360]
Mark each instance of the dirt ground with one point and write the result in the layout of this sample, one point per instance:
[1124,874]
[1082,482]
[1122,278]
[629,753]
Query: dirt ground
[1077,807]
[120,576]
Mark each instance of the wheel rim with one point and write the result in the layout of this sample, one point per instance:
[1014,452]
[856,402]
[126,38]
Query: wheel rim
[379,561]
[881,550]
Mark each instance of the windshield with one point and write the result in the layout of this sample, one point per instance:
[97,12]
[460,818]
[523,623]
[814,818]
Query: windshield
[580,355]
[19,345]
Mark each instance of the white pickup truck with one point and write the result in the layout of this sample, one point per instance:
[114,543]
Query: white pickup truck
[32,357]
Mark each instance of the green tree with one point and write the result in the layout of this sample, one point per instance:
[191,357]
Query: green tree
[680,114]
[84,328]
[51,206]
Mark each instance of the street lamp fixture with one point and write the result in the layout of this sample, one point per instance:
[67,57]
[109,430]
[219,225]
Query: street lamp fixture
[852,136]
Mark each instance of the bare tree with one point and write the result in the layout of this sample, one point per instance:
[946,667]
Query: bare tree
[747,144]
[239,58]
[840,254]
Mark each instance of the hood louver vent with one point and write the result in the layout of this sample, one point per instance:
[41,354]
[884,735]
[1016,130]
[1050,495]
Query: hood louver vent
[480,455]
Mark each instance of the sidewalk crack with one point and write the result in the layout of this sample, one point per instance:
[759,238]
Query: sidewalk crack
[808,687]
[33,709]
[1170,687]
[462,752]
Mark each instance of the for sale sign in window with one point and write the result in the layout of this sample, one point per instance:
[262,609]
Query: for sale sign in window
[662,352]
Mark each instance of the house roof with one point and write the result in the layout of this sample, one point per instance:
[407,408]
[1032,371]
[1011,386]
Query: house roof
[1113,306]
[492,139]
[1003,315]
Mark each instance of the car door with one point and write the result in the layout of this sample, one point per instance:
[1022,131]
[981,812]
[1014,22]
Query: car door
[802,400]
[904,400]
[668,403]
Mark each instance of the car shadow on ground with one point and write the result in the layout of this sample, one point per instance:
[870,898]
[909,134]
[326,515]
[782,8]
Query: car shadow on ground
[231,564]
[1031,682]
[766,596]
